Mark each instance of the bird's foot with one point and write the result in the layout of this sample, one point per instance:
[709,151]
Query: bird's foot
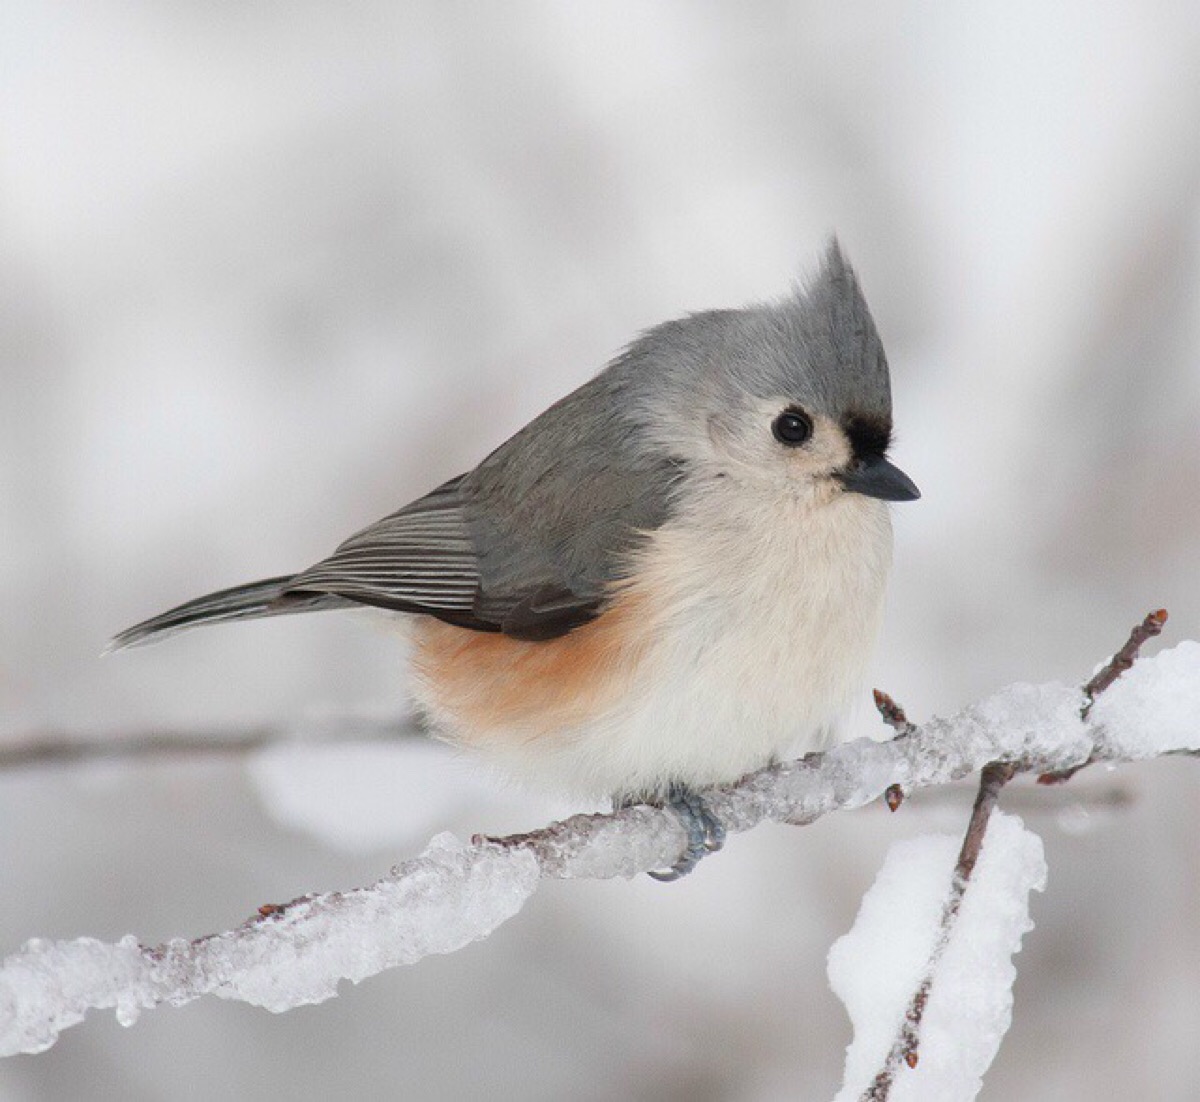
[705,832]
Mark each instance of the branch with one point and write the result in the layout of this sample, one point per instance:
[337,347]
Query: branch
[905,1049]
[879,963]
[1104,798]
[995,775]
[292,954]
[47,748]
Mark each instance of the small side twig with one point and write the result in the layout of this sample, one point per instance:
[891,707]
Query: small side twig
[1123,660]
[1151,626]
[897,719]
[893,714]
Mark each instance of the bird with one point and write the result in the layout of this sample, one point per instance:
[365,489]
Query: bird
[666,580]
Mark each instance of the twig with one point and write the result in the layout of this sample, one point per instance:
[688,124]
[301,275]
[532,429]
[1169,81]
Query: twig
[994,776]
[906,1048]
[1123,660]
[1037,800]
[49,748]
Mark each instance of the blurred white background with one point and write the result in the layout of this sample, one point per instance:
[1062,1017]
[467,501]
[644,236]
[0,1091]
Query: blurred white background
[268,271]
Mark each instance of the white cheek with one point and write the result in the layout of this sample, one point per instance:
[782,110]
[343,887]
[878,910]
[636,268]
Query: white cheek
[751,452]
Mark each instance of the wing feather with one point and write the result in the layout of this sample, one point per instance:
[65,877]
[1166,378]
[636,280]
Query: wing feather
[419,559]
[530,541]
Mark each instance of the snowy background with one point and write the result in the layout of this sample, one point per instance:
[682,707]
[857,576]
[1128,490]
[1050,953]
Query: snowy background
[269,271]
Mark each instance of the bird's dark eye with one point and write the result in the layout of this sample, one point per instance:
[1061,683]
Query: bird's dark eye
[792,427]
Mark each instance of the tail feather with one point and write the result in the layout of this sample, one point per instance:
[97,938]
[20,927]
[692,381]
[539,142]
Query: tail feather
[243,602]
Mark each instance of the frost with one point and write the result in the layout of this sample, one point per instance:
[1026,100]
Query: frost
[877,967]
[1153,708]
[49,985]
[448,897]
[1043,720]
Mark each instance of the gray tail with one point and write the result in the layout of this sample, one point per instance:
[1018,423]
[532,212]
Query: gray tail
[243,602]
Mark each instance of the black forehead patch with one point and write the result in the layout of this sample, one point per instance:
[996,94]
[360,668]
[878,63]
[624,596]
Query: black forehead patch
[869,435]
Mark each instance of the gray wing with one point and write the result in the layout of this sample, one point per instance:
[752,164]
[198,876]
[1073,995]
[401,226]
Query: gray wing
[529,542]
[419,559]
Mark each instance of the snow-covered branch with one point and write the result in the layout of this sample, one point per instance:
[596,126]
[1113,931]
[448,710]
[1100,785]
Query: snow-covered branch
[457,892]
[971,1045]
[963,977]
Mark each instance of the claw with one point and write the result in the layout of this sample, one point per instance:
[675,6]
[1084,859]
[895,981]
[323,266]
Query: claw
[705,832]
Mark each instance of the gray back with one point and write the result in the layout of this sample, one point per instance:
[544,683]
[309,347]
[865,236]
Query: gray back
[530,541]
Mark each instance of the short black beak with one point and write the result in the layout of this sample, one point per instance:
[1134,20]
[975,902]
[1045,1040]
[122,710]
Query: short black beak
[876,477]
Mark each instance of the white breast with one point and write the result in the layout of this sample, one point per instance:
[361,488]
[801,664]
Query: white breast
[765,615]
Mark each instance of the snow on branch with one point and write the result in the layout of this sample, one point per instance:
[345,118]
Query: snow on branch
[458,892]
[900,945]
[975,1002]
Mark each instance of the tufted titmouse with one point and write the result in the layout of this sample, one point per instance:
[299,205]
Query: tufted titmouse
[663,582]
